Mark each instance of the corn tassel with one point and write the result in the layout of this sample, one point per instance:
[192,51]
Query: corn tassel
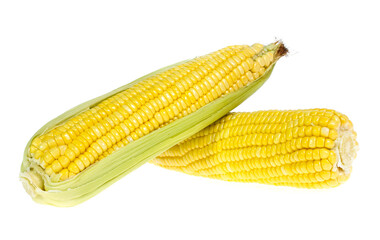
[86,149]
[304,148]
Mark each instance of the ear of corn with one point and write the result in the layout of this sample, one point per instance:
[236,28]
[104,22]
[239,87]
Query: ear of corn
[86,149]
[304,148]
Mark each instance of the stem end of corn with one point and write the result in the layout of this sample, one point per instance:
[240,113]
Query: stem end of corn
[32,182]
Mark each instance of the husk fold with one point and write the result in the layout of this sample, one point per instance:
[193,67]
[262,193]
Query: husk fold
[97,177]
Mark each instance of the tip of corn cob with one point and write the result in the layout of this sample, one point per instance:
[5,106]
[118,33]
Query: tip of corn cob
[346,149]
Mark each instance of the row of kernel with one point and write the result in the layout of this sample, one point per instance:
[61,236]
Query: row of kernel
[258,173]
[270,144]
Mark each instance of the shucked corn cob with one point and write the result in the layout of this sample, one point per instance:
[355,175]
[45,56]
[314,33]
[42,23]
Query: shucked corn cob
[89,147]
[303,148]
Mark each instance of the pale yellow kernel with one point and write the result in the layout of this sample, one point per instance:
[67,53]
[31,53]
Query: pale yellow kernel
[79,145]
[333,182]
[308,120]
[290,171]
[84,160]
[49,171]
[73,168]
[125,128]
[92,135]
[144,129]
[302,155]
[312,142]
[102,128]
[334,174]
[256,68]
[316,131]
[283,170]
[301,131]
[241,70]
[329,143]
[343,177]
[288,146]
[270,56]
[36,141]
[96,147]
[347,125]
[320,142]
[70,154]
[96,131]
[309,131]
[309,154]
[289,134]
[90,157]
[266,60]
[43,146]
[318,177]
[326,165]
[276,138]
[79,164]
[310,166]
[257,47]
[64,161]
[64,174]
[261,61]
[303,167]
[299,143]
[301,120]
[324,153]
[333,134]
[250,63]
[51,142]
[84,139]
[134,120]
[115,134]
[324,121]
[102,144]
[107,126]
[305,142]
[295,132]
[316,155]
[317,166]
[56,166]
[332,157]
[334,122]
[244,80]
[74,148]
[134,136]
[47,157]
[32,149]
[109,140]
[93,152]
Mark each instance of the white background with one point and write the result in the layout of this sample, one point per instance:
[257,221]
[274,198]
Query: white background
[57,54]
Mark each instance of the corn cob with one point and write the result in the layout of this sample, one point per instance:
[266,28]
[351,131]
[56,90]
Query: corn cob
[303,148]
[84,150]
